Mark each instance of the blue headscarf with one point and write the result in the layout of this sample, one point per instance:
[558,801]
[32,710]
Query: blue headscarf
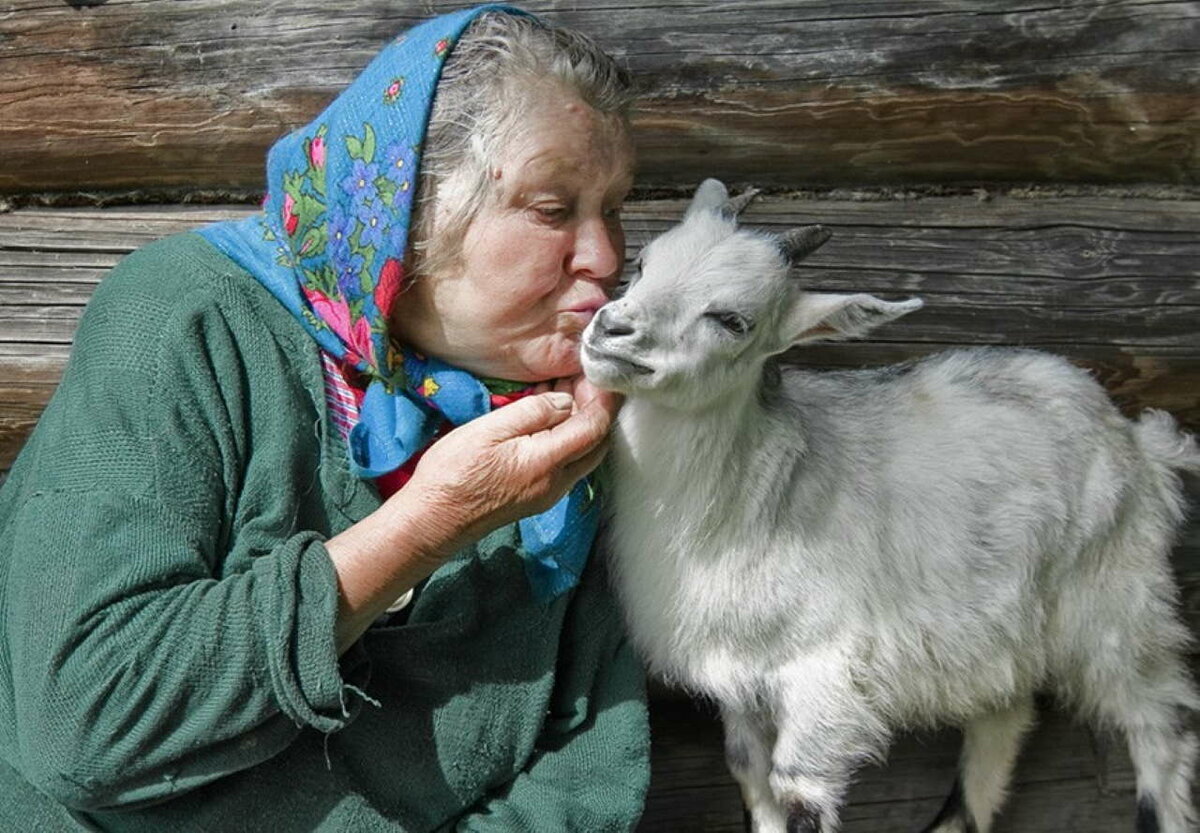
[330,245]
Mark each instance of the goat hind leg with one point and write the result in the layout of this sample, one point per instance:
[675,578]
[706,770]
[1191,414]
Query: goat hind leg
[1130,673]
[748,742]
[990,746]
[1164,755]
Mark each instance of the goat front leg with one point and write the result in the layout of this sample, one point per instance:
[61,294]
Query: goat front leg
[825,730]
[749,738]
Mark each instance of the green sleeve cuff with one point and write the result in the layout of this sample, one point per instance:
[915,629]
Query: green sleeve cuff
[313,687]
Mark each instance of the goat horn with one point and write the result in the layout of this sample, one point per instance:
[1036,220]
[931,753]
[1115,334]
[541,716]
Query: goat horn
[799,243]
[736,205]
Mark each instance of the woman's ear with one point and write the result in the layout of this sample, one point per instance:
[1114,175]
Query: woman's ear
[817,316]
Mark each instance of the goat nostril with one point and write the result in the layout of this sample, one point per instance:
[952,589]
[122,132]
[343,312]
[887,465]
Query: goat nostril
[610,325]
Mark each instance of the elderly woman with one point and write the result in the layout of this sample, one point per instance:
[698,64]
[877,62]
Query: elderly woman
[275,558]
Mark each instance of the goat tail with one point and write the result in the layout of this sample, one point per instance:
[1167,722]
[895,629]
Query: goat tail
[1162,441]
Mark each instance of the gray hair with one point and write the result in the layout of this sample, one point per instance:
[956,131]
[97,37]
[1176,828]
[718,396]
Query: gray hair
[499,69]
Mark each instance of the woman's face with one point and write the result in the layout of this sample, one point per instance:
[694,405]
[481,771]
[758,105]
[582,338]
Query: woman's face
[539,259]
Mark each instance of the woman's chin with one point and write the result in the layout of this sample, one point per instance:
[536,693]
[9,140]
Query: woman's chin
[558,360]
[543,368]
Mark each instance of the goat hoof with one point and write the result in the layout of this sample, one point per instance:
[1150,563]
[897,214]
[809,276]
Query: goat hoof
[801,819]
[1147,816]
[953,816]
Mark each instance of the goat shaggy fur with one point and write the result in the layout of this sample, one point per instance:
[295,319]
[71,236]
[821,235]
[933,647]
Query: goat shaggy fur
[833,556]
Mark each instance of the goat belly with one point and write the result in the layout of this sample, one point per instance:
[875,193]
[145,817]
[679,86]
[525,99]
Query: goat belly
[921,678]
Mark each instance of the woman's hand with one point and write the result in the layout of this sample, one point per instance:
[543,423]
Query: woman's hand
[516,461]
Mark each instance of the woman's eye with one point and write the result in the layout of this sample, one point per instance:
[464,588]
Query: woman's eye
[550,213]
[733,322]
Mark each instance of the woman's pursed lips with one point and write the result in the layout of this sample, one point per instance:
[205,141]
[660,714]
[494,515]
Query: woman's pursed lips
[587,309]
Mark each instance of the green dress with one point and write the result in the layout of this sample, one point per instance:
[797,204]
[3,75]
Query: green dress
[167,608]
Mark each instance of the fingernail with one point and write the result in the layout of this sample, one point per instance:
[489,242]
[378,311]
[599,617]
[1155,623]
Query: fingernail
[560,400]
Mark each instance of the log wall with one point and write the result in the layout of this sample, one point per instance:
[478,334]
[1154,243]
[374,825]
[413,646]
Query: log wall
[146,94]
[1112,284]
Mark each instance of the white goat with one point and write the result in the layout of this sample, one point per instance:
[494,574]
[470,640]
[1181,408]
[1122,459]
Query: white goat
[833,556]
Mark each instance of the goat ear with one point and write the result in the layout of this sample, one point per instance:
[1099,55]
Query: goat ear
[799,243]
[817,316]
[712,195]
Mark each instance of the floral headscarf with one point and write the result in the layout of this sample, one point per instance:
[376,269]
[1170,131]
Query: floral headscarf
[329,244]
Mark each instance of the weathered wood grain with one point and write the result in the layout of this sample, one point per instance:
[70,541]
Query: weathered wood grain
[1114,284]
[690,787]
[133,94]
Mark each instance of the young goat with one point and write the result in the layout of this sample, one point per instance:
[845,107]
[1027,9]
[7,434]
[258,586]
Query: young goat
[833,556]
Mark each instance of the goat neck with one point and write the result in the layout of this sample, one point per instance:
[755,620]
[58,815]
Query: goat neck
[725,449]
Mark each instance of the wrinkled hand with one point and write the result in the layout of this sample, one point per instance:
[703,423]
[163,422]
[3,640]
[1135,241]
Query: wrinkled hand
[514,462]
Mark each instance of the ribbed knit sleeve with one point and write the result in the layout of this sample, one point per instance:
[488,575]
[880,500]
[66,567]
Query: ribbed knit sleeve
[141,676]
[590,770]
[168,619]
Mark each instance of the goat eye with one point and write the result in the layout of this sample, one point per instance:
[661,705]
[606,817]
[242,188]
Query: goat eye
[627,279]
[731,321]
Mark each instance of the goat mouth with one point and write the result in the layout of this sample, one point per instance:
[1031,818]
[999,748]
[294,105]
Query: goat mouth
[619,362]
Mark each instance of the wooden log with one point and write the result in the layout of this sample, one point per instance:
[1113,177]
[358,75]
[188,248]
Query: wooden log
[1114,284]
[157,94]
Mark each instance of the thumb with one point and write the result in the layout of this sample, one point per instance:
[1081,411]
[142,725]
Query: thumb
[529,415]
[573,438]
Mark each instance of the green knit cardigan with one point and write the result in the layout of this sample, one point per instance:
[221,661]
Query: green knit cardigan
[167,607]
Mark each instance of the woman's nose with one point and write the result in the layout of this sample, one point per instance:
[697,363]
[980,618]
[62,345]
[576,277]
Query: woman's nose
[599,252]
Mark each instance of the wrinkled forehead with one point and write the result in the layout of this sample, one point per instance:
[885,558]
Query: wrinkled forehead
[559,135]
